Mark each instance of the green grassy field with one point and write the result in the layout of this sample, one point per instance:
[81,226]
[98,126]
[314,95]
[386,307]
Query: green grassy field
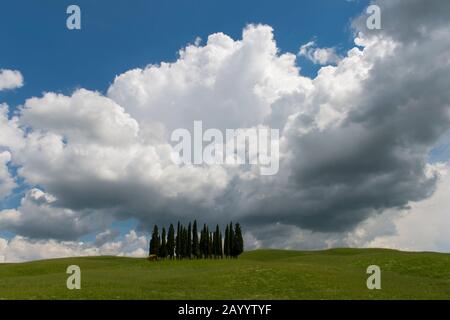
[261,274]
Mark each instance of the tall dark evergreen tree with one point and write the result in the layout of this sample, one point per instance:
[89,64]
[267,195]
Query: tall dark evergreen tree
[203,242]
[220,245]
[185,242]
[238,243]
[230,239]
[226,243]
[154,242]
[214,245]
[210,245]
[171,242]
[182,242]
[189,241]
[178,242]
[217,241]
[159,246]
[207,242]
[195,244]
[163,247]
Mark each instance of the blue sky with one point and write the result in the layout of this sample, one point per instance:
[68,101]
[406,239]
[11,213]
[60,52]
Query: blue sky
[120,35]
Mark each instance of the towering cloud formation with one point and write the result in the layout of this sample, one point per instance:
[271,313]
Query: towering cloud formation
[354,140]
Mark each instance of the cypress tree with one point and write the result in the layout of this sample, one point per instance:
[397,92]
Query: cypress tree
[226,246]
[214,244]
[189,241]
[182,243]
[200,244]
[207,242]
[154,242]
[220,245]
[163,248]
[238,243]
[185,242]
[203,242]
[195,244]
[178,241]
[159,245]
[210,245]
[217,242]
[150,248]
[230,239]
[157,240]
[171,241]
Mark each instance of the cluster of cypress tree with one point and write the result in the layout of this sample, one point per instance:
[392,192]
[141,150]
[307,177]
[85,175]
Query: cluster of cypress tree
[186,243]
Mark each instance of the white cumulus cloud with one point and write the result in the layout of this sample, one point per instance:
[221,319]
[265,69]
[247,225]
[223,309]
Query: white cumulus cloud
[7,183]
[319,55]
[10,79]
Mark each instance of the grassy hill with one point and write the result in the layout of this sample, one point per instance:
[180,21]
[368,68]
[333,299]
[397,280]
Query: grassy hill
[261,274]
